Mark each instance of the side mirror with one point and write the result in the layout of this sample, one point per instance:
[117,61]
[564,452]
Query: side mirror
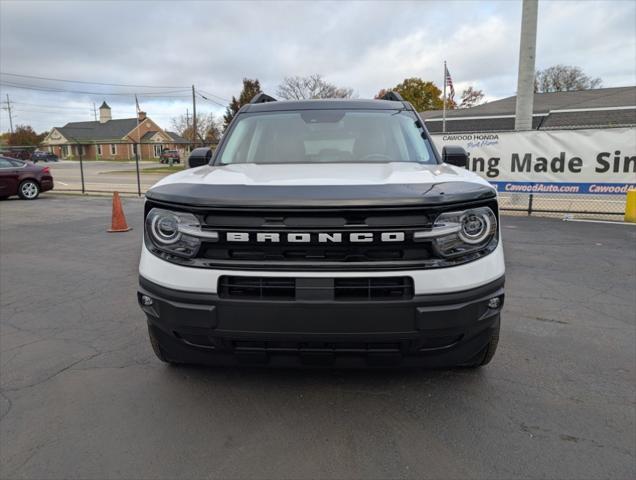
[454,155]
[199,157]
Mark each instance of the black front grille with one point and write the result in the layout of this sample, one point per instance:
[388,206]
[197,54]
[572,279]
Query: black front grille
[337,289]
[337,223]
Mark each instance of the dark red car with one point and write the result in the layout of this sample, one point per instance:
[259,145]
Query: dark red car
[25,179]
[170,156]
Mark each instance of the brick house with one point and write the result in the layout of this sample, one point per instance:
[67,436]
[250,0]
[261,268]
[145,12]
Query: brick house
[109,139]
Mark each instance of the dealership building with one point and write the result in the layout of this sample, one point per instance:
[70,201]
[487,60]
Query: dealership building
[597,108]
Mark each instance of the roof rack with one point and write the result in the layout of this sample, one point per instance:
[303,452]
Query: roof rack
[262,98]
[393,96]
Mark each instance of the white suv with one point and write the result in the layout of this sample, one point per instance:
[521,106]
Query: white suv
[324,233]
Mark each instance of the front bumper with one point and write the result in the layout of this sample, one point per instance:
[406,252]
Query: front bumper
[437,330]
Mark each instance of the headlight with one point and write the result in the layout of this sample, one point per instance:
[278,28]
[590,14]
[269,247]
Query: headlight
[477,226]
[459,233]
[177,233]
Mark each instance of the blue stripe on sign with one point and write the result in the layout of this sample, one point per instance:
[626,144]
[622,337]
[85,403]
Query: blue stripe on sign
[564,187]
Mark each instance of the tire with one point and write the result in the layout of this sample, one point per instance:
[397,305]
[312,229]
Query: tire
[29,190]
[485,356]
[4,197]
[158,349]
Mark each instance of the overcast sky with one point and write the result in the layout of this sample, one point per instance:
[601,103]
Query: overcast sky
[363,45]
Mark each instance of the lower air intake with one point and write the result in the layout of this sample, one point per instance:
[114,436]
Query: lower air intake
[338,289]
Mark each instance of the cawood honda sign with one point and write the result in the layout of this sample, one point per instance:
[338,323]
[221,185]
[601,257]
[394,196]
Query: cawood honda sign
[601,161]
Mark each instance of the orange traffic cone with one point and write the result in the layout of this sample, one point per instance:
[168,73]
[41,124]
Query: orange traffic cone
[119,219]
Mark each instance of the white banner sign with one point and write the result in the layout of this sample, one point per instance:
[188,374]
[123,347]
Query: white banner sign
[551,161]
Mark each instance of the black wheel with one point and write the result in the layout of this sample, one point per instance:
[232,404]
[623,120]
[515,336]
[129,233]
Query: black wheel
[485,356]
[29,190]
[158,349]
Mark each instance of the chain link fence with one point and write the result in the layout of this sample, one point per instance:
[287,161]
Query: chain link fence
[125,167]
[592,206]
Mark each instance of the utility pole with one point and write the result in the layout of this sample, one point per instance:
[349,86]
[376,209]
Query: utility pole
[527,51]
[94,111]
[194,117]
[8,109]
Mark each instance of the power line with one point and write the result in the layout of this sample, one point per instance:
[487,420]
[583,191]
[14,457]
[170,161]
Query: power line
[111,84]
[61,90]
[52,112]
[57,107]
[213,95]
[90,83]
[210,100]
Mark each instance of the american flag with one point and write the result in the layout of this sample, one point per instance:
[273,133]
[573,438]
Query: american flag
[449,82]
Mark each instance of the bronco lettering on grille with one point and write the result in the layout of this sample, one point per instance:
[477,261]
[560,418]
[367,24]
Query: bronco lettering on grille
[296,237]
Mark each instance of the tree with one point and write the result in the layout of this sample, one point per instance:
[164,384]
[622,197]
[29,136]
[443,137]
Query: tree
[250,88]
[24,135]
[471,97]
[313,86]
[207,128]
[423,95]
[564,78]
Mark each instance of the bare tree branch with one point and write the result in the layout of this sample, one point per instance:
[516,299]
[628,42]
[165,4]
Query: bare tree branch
[208,128]
[564,78]
[313,86]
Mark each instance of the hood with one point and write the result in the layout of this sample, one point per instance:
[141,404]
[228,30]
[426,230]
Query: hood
[324,174]
[322,185]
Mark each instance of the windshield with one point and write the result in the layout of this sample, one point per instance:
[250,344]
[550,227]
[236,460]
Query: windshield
[326,136]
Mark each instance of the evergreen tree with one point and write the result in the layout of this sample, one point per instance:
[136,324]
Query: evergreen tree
[250,89]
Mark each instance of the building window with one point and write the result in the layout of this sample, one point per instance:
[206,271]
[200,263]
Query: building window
[113,149]
[99,150]
[64,151]
[157,149]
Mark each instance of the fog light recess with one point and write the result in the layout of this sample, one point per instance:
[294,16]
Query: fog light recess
[146,301]
[494,302]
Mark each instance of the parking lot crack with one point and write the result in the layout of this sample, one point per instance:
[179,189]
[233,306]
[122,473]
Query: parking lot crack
[53,375]
[9,406]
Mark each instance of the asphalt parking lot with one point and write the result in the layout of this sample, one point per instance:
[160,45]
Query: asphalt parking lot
[82,395]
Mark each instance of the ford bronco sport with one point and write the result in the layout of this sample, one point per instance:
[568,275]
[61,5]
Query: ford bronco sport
[324,233]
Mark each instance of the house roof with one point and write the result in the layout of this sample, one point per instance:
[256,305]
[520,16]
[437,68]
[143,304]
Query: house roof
[110,130]
[176,138]
[104,105]
[576,109]
[149,134]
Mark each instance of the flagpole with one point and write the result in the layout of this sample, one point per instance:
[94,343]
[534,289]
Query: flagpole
[444,113]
